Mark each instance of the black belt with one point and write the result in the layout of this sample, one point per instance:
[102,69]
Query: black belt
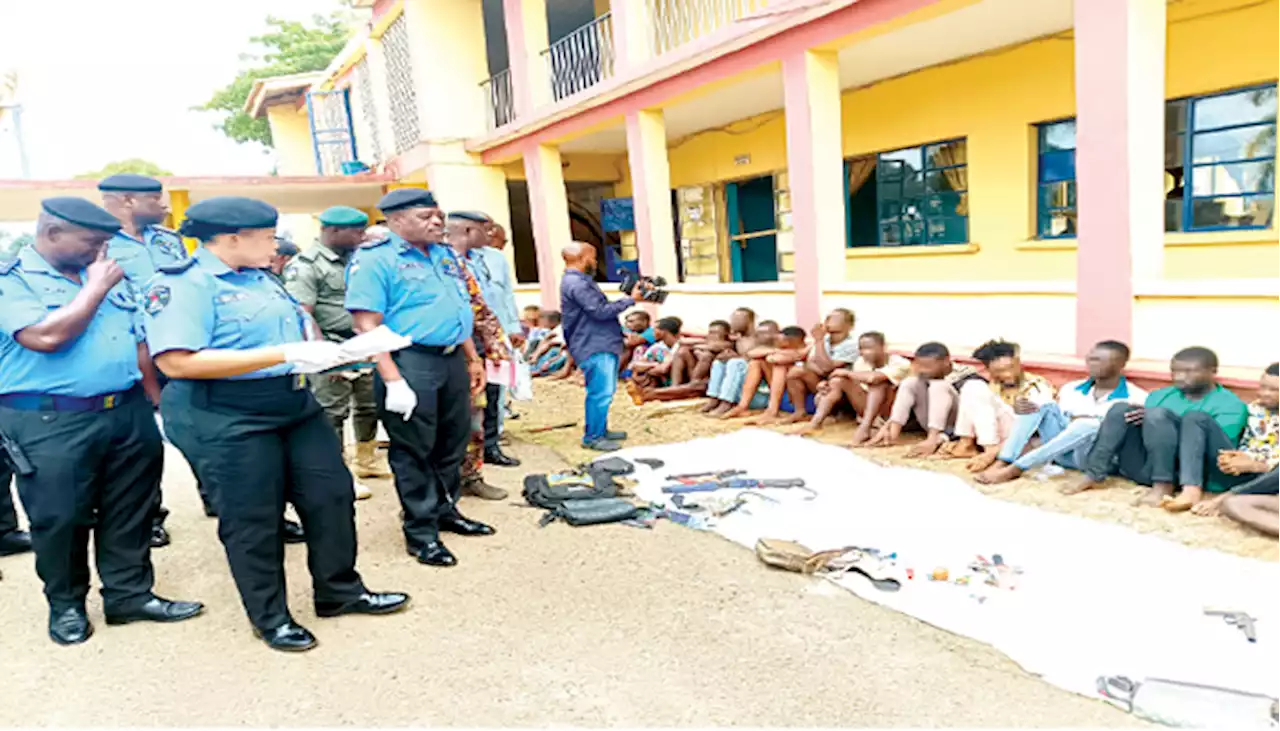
[433,349]
[250,387]
[82,404]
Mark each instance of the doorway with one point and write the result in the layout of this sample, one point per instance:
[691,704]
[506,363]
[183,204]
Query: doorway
[753,232]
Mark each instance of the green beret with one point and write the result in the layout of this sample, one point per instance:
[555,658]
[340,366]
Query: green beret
[343,216]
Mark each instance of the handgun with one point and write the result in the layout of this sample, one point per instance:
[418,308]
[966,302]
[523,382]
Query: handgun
[17,457]
[1241,620]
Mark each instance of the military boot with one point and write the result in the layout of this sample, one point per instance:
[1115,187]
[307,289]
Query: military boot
[367,464]
[477,487]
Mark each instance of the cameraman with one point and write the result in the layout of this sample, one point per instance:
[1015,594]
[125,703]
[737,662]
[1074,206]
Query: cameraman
[594,338]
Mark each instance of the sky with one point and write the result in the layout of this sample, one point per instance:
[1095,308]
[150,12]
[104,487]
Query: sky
[107,80]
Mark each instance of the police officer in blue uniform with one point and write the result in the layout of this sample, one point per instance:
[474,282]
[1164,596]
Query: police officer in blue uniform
[414,284]
[77,421]
[140,246]
[232,341]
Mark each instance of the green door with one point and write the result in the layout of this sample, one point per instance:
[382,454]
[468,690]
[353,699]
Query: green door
[753,235]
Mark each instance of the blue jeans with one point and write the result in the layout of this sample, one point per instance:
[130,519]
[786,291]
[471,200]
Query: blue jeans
[726,379]
[1062,440]
[600,372]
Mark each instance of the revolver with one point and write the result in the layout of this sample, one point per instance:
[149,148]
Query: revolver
[1242,620]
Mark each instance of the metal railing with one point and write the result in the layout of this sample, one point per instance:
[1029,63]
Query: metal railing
[499,99]
[581,59]
[676,22]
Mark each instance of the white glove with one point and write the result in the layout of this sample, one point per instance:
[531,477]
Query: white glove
[313,356]
[401,399]
[160,426]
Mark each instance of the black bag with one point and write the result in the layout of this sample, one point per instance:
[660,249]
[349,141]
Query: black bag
[553,490]
[591,512]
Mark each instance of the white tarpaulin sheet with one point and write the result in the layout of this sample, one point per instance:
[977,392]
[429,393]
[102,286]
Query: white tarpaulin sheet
[1093,600]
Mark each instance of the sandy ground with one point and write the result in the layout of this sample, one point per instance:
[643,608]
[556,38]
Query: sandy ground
[658,423]
[609,625]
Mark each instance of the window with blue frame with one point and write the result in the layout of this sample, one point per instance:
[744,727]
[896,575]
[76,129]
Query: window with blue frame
[1220,160]
[916,196]
[1056,178]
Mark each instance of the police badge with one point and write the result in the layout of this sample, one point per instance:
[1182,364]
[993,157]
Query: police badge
[157,299]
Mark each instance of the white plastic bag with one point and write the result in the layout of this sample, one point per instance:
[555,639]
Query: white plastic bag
[521,388]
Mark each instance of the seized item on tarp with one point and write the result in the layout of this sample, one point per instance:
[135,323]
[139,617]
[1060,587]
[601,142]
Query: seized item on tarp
[653,464]
[613,466]
[738,484]
[590,512]
[940,574]
[1174,703]
[786,555]
[696,477]
[548,491]
[717,505]
[880,570]
[552,427]
[1235,618]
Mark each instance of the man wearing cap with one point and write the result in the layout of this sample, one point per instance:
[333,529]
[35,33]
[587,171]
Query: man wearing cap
[77,422]
[286,250]
[414,284]
[317,279]
[140,246]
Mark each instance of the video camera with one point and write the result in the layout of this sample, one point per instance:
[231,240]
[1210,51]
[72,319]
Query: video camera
[648,289]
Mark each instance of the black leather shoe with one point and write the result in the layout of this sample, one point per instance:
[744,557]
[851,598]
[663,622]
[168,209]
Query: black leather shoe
[288,637]
[14,542]
[615,436]
[69,626]
[293,532]
[499,458]
[159,536]
[434,553]
[157,609]
[466,527]
[366,603]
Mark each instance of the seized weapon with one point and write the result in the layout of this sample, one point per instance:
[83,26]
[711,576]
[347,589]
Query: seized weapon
[737,484]
[696,477]
[553,427]
[1241,620]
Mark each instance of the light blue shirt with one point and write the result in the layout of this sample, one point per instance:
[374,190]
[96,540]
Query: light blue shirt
[207,305]
[422,296]
[494,276]
[140,259]
[104,359]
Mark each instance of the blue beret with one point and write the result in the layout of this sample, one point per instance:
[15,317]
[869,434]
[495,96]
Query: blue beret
[129,183]
[233,213]
[406,198]
[285,247]
[476,216]
[82,213]
[344,216]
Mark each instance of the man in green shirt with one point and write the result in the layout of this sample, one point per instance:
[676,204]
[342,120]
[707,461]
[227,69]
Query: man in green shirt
[317,279]
[1162,443]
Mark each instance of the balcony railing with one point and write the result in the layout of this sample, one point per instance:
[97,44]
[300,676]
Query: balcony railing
[499,99]
[581,59]
[676,22]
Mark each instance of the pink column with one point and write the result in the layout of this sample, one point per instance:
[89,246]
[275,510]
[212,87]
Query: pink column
[549,211]
[1119,66]
[526,25]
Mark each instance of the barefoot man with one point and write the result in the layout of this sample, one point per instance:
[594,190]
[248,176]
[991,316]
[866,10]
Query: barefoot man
[1143,441]
[769,365]
[869,386]
[833,347]
[930,398]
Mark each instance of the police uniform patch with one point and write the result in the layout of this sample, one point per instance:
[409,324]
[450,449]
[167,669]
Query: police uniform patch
[290,274]
[157,298]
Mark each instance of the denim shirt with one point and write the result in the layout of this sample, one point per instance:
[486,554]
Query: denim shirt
[590,320]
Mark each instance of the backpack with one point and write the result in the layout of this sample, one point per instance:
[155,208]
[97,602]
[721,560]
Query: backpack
[585,496]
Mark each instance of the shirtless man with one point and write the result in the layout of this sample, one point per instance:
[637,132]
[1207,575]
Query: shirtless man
[729,371]
[869,385]
[931,397]
[769,364]
[833,347]
[717,340]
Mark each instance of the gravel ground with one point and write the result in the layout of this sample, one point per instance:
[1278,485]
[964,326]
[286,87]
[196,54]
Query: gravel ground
[608,625]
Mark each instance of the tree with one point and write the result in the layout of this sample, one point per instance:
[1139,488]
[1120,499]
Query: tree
[288,47]
[132,165]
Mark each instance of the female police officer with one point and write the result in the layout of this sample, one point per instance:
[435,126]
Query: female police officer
[233,342]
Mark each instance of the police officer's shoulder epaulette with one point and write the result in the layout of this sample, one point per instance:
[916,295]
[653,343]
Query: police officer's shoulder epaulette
[163,229]
[375,244]
[8,265]
[309,254]
[177,267]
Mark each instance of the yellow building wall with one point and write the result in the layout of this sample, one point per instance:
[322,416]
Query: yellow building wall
[291,134]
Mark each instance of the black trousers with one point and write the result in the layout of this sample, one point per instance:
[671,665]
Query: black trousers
[94,471]
[427,450]
[1163,448]
[255,444]
[8,515]
[492,412]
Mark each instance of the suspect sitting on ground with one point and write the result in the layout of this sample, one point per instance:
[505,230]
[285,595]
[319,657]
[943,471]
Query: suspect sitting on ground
[653,370]
[1169,441]
[767,376]
[869,386]
[929,398]
[637,335]
[833,347]
[705,352]
[1067,429]
[727,377]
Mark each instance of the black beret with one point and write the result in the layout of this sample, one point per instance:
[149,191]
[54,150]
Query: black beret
[285,247]
[233,213]
[129,183]
[476,216]
[406,198]
[82,213]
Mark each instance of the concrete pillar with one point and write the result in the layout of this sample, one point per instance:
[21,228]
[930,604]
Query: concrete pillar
[549,209]
[815,168]
[1119,67]
[651,192]
[446,43]
[463,183]
[631,30]
[526,23]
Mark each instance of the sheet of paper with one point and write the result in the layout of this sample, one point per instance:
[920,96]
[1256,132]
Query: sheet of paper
[381,339]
